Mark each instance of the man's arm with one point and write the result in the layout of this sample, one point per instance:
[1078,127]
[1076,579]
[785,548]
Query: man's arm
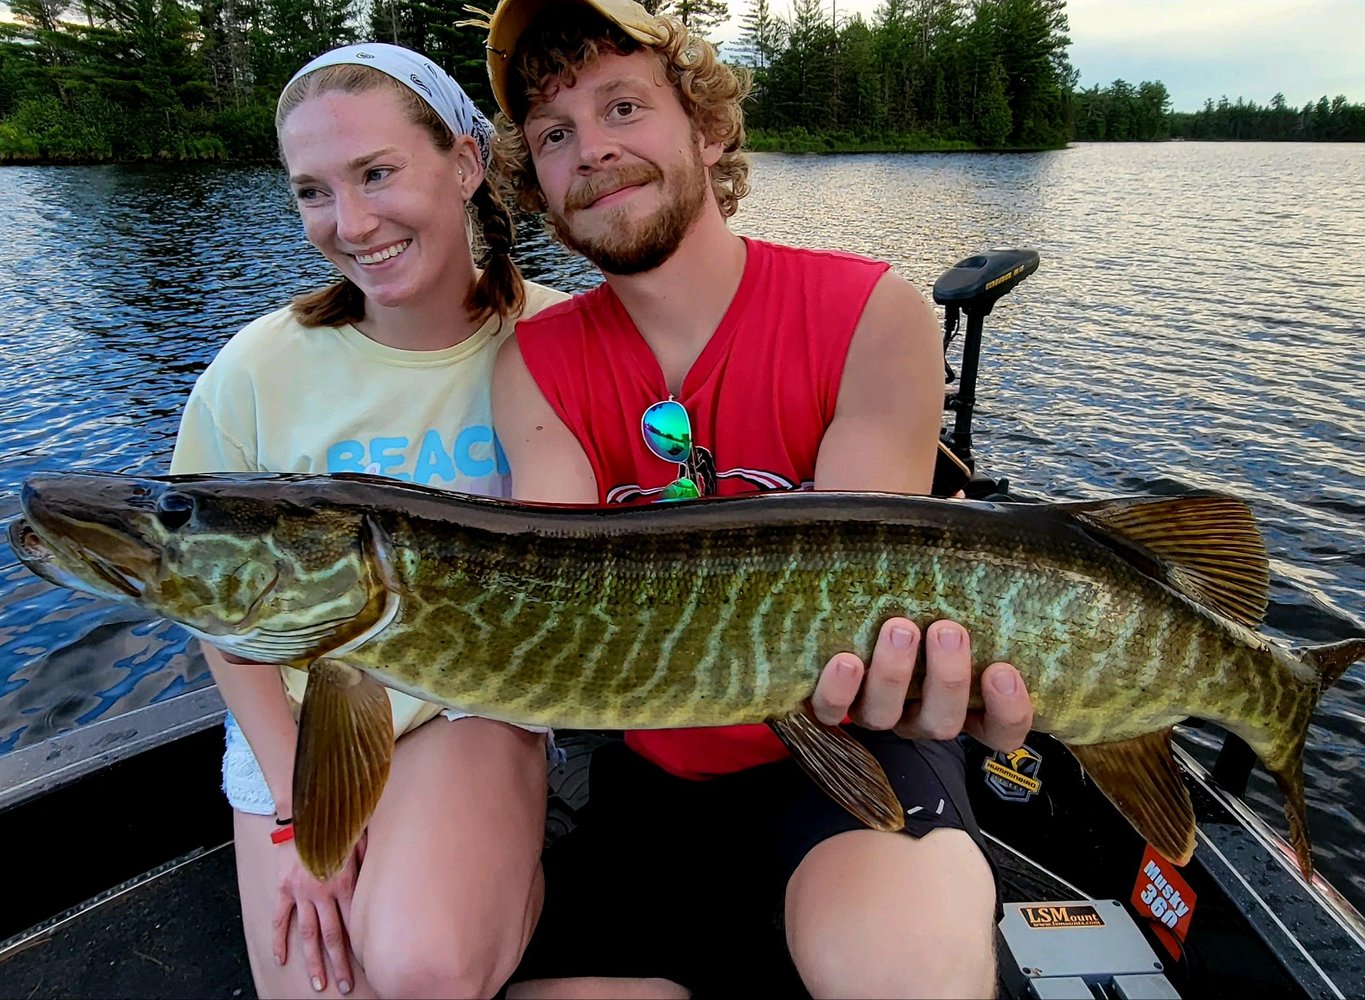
[883,437]
[886,420]
[548,464]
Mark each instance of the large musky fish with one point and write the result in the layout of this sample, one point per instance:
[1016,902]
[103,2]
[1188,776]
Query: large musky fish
[1125,617]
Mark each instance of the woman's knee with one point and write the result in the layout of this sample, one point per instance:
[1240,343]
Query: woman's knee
[450,954]
[446,969]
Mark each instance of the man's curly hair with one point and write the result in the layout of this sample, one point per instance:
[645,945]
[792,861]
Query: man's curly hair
[558,46]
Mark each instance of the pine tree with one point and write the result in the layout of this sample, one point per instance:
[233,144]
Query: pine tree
[700,16]
[760,36]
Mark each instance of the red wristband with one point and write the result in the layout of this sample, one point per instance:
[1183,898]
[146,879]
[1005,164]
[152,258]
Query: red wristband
[282,834]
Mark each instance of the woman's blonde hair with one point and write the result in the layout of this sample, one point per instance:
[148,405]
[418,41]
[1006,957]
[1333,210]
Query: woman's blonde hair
[499,290]
[556,48]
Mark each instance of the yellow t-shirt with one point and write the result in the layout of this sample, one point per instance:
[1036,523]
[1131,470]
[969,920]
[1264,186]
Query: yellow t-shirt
[282,397]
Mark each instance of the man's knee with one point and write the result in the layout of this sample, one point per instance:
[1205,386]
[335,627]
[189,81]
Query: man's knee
[873,914]
[942,961]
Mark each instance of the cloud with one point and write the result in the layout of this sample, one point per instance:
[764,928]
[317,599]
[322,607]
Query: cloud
[1251,48]
[1241,48]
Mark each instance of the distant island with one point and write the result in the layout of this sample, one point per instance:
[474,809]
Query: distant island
[182,81]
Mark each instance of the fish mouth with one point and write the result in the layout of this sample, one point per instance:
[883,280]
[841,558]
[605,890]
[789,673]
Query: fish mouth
[62,540]
[55,565]
[32,551]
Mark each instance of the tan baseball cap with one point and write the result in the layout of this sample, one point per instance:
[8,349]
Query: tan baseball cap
[513,17]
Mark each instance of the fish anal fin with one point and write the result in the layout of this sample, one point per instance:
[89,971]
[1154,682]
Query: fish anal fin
[843,768]
[1288,774]
[345,747]
[1140,776]
[1207,547]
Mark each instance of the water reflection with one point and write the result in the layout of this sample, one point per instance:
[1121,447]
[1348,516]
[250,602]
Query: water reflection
[1197,322]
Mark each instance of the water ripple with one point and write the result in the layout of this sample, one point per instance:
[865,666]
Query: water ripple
[1198,322]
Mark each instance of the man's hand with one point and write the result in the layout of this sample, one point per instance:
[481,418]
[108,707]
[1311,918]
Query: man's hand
[874,697]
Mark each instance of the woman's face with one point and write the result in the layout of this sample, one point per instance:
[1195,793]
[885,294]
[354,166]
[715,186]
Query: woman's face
[377,197]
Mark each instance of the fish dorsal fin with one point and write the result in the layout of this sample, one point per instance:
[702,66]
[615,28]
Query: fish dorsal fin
[1141,778]
[843,768]
[344,751]
[1206,547]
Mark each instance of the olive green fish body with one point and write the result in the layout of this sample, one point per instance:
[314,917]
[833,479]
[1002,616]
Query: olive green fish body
[590,621]
[1125,617]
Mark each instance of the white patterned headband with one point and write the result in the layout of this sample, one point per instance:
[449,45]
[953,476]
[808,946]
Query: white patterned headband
[420,75]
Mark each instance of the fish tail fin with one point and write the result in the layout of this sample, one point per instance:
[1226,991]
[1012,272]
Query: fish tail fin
[1328,662]
[1331,660]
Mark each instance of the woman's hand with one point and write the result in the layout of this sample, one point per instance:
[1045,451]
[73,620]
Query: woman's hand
[323,910]
[874,696]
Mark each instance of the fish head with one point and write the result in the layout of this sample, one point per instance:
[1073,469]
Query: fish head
[261,569]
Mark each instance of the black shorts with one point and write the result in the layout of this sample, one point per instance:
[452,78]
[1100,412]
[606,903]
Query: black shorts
[686,880]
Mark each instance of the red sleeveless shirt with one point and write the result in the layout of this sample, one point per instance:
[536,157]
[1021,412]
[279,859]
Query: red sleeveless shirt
[760,397]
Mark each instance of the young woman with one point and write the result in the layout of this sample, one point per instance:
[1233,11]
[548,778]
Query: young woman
[386,371]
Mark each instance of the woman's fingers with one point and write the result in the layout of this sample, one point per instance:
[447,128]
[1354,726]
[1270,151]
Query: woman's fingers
[335,943]
[310,932]
[279,939]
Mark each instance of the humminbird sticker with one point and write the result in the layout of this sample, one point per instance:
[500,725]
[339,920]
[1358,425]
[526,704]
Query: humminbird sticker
[1061,916]
[1014,776]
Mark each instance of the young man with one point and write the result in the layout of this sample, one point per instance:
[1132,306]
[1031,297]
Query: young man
[793,368]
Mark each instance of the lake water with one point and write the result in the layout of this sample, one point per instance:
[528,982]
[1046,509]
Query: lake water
[1198,321]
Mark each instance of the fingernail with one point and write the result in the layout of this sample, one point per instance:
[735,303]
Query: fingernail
[900,637]
[279,959]
[1005,682]
[317,984]
[948,637]
[344,987]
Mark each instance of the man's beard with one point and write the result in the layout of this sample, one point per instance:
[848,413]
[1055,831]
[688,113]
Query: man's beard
[636,248]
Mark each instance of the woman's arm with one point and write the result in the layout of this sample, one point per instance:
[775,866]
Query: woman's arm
[254,694]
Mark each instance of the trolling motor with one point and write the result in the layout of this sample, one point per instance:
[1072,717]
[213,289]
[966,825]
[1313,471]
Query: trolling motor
[971,286]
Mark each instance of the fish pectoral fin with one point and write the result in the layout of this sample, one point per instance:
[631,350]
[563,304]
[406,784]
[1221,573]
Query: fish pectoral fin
[1140,776]
[1206,547]
[843,768]
[345,747]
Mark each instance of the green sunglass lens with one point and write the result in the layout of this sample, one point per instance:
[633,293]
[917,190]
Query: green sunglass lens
[667,431]
[680,489]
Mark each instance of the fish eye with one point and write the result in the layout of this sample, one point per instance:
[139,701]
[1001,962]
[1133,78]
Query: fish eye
[174,510]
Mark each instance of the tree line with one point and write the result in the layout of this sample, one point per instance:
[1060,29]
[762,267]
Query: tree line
[121,80]
[1122,112]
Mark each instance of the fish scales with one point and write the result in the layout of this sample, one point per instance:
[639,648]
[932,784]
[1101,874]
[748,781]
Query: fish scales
[725,645]
[1125,617]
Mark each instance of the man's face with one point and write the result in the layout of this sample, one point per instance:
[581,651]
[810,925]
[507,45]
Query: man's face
[623,172]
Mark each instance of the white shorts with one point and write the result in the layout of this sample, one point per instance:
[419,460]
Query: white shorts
[244,783]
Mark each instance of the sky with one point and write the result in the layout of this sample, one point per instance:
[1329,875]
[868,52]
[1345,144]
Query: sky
[1204,48]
